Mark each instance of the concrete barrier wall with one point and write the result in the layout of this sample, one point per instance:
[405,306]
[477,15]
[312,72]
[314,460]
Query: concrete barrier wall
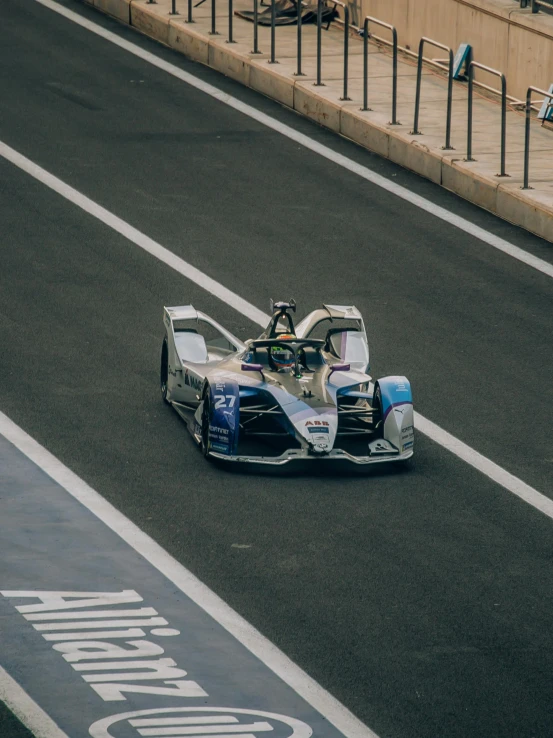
[502,35]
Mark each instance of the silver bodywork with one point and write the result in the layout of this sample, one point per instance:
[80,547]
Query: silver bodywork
[314,412]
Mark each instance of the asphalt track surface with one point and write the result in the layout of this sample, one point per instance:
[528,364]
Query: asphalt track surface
[10,727]
[421,599]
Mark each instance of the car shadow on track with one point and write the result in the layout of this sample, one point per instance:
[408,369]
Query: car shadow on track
[318,469]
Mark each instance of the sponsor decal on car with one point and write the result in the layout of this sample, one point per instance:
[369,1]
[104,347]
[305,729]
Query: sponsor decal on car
[215,429]
[312,429]
[192,380]
[222,447]
[407,433]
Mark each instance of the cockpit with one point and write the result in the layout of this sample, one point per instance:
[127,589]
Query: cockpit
[329,334]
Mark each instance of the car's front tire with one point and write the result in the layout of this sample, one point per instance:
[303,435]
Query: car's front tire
[164,371]
[378,423]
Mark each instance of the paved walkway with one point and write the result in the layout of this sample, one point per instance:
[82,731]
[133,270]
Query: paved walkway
[476,180]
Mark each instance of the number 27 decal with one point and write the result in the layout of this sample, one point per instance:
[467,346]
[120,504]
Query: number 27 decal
[224,401]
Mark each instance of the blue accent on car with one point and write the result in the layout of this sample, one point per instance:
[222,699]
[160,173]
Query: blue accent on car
[352,392]
[247,392]
[319,429]
[224,423]
[394,391]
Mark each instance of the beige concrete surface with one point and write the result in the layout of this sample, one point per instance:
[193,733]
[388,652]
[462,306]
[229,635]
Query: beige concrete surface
[152,19]
[502,35]
[184,38]
[425,154]
[269,80]
[116,8]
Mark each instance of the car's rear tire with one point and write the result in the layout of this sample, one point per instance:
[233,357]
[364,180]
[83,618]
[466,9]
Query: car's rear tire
[164,371]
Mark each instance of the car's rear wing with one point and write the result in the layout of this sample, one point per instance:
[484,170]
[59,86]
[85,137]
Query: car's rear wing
[174,317]
[343,311]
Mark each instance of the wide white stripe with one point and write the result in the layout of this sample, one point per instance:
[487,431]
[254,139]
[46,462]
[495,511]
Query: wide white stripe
[485,465]
[134,235]
[26,709]
[437,434]
[267,652]
[446,215]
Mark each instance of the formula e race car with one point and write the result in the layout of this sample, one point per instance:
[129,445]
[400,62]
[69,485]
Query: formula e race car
[296,392]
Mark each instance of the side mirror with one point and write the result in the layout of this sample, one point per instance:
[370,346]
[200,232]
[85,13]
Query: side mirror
[252,368]
[340,368]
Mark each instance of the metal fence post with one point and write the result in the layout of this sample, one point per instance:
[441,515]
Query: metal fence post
[255,29]
[318,83]
[528,108]
[346,51]
[477,65]
[366,65]
[213,31]
[525,185]
[230,39]
[174,7]
[394,120]
[502,172]
[469,114]
[449,102]
[415,130]
[370,19]
[346,43]
[298,72]
[272,60]
[189,18]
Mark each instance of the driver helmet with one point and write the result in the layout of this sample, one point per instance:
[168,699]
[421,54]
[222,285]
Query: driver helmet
[283,357]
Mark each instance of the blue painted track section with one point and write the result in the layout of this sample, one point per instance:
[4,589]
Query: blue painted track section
[49,542]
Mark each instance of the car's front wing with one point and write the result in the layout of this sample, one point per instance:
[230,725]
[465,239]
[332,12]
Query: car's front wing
[306,455]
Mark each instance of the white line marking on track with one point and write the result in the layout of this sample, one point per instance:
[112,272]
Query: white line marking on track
[430,429]
[492,470]
[446,215]
[321,700]
[26,709]
[134,235]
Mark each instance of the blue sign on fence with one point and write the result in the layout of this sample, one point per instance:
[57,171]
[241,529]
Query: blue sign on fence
[461,60]
[546,110]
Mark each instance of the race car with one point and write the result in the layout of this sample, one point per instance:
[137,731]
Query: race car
[296,392]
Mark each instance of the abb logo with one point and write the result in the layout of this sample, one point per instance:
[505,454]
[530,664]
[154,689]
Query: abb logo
[317,422]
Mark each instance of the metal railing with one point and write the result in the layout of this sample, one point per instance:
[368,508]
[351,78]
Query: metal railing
[343,5]
[424,40]
[528,108]
[255,49]
[298,72]
[529,104]
[370,19]
[213,31]
[536,4]
[477,65]
[230,39]
[273,60]
[319,83]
